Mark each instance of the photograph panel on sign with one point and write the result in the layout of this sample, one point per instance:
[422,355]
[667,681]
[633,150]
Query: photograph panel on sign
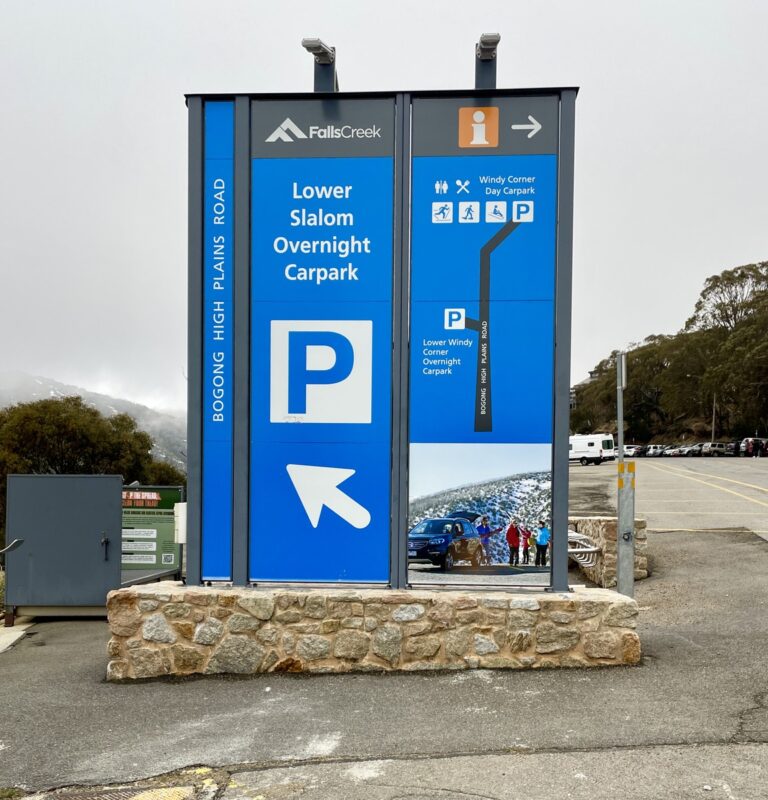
[480,514]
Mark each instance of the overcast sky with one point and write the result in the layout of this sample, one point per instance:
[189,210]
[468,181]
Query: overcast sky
[671,167]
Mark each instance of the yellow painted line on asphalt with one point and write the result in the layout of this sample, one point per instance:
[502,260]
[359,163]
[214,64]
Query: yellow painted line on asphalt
[718,477]
[706,508]
[707,483]
[646,490]
[702,513]
[717,503]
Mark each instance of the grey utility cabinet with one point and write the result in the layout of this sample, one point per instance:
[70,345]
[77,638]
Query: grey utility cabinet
[70,550]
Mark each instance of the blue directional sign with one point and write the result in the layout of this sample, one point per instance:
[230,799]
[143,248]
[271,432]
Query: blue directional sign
[218,243]
[375,281]
[483,254]
[321,340]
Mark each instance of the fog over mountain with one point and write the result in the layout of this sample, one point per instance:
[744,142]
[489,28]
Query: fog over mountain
[168,431]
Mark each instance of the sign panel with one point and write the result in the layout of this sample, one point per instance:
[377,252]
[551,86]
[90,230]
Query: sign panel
[218,244]
[130,546]
[302,414]
[321,339]
[140,559]
[483,254]
[140,533]
[150,530]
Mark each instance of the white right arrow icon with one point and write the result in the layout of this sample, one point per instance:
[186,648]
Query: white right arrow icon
[319,486]
[534,127]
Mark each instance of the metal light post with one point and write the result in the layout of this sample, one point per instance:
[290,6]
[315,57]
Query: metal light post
[625,529]
[485,61]
[326,78]
[621,384]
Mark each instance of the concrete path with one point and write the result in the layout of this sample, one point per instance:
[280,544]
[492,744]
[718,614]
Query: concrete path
[653,773]
[10,636]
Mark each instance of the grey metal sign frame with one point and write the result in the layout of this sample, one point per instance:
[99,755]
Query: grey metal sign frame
[401,345]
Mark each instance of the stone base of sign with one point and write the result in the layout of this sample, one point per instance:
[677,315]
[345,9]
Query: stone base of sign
[602,531]
[171,629]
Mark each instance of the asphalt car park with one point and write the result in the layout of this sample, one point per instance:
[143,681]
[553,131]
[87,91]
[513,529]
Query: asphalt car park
[704,494]
[692,715]
[684,494]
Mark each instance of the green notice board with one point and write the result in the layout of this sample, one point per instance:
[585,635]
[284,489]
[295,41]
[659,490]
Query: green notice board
[148,527]
[148,539]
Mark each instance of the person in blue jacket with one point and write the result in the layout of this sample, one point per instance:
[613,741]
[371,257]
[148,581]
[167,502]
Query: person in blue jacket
[484,529]
[543,535]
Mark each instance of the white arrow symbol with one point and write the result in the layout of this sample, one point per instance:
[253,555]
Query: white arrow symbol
[534,127]
[319,486]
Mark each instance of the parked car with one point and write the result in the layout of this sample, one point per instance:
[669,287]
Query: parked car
[655,450]
[732,448]
[692,450]
[671,450]
[746,445]
[642,450]
[443,542]
[713,449]
[630,450]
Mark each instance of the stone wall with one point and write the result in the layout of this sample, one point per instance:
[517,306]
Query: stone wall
[602,531]
[170,629]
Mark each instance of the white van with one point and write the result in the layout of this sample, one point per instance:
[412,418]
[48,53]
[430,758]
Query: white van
[593,448]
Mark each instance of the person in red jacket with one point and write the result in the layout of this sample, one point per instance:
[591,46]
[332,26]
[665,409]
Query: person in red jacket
[527,538]
[513,540]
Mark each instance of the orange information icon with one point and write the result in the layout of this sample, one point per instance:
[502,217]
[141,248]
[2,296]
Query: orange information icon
[478,126]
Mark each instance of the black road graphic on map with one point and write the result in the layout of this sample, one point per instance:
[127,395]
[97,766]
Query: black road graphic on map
[483,415]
